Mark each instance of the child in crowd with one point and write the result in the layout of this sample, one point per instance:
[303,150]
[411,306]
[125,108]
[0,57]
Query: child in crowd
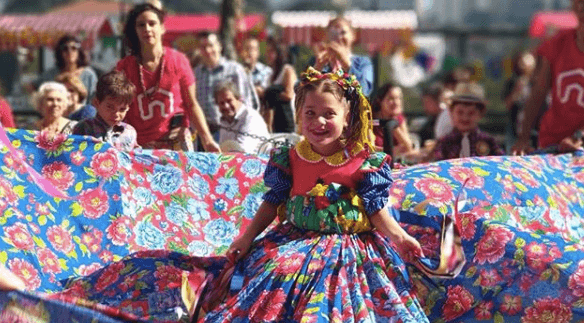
[466,139]
[112,99]
[389,105]
[241,126]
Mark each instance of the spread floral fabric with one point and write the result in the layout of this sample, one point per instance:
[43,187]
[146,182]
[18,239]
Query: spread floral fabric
[522,221]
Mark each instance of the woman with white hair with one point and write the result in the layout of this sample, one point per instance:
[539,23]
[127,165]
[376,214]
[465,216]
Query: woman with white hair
[52,101]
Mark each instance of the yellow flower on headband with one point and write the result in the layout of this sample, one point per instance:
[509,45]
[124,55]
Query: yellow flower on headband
[344,80]
[353,92]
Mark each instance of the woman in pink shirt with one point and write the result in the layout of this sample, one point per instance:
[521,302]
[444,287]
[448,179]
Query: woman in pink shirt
[165,105]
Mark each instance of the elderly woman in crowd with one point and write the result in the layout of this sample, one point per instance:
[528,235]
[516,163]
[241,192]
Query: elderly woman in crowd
[52,100]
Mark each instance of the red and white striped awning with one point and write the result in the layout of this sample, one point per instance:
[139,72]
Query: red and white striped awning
[45,30]
[374,28]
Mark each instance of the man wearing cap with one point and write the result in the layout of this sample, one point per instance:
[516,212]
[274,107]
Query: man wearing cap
[466,139]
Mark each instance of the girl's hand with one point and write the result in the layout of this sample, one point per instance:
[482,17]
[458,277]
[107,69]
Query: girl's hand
[409,248]
[240,246]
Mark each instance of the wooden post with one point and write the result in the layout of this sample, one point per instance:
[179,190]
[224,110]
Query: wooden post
[231,11]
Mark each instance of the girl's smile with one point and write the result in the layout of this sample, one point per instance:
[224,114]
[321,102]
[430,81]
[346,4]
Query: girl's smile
[323,120]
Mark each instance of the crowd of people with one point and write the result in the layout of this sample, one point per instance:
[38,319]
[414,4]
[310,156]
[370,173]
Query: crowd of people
[237,105]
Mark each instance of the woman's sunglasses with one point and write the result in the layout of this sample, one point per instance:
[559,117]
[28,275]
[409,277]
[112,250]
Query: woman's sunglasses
[70,47]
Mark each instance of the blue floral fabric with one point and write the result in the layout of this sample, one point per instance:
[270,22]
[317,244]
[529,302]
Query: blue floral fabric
[522,225]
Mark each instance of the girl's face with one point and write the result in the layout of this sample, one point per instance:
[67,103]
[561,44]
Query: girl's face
[323,119]
[53,104]
[341,32]
[70,52]
[149,28]
[465,116]
[392,103]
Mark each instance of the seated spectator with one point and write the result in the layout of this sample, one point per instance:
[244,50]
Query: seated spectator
[113,96]
[77,109]
[466,139]
[6,117]
[389,105]
[214,70]
[52,101]
[240,126]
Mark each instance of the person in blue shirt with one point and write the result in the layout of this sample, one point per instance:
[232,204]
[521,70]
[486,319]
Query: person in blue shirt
[337,54]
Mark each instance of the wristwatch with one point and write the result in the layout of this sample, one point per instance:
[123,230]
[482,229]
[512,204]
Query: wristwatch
[578,134]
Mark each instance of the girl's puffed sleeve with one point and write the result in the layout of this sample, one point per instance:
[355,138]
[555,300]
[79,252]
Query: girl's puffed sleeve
[374,188]
[277,176]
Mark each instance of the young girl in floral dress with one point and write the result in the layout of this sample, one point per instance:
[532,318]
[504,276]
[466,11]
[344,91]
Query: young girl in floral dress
[334,256]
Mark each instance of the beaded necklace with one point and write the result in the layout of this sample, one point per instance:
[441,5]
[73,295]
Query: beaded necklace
[142,83]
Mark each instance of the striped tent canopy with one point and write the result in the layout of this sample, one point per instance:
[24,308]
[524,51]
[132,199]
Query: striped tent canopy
[44,30]
[374,28]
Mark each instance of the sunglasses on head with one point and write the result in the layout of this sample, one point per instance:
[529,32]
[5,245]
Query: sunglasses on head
[70,47]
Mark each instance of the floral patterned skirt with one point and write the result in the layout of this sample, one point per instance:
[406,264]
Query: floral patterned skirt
[293,275]
[290,275]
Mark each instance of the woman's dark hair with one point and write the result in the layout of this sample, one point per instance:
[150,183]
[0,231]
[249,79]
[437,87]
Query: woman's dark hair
[131,39]
[280,56]
[381,93]
[82,59]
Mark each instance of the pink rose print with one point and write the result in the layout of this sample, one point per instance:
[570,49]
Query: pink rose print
[105,164]
[459,301]
[436,190]
[168,277]
[547,310]
[18,236]
[396,196]
[60,239]
[49,261]
[7,195]
[92,240]
[489,277]
[511,304]
[59,174]
[538,256]
[291,264]
[483,311]
[50,142]
[26,272]
[462,174]
[576,280]
[11,162]
[94,202]
[491,247]
[77,158]
[119,231]
[268,306]
[525,177]
[468,225]
[109,276]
